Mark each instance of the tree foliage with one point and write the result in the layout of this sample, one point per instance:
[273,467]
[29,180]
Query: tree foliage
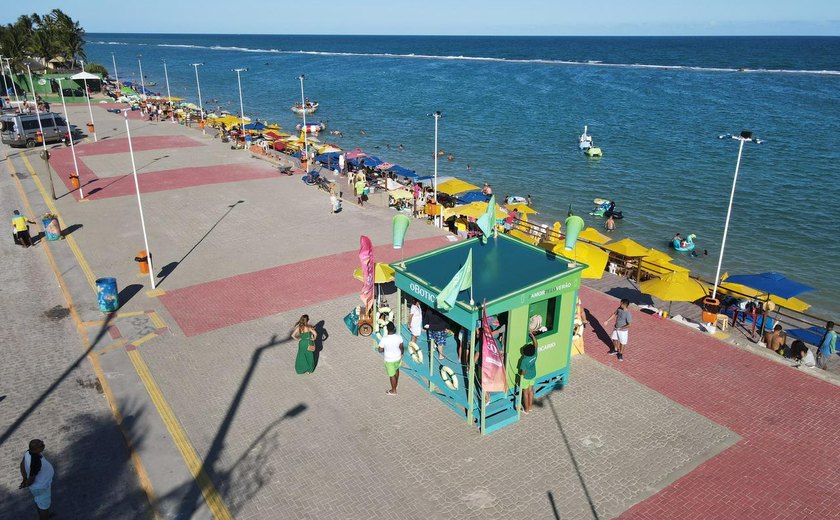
[42,38]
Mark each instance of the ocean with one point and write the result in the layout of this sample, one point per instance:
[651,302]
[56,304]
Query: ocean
[513,108]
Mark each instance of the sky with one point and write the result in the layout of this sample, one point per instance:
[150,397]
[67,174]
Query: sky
[452,17]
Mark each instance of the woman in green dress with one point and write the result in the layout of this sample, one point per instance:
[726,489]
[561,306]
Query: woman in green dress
[306,336]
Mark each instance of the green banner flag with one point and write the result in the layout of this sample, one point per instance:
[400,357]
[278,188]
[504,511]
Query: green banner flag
[460,282]
[487,222]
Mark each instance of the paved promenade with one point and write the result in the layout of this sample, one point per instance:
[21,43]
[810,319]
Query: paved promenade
[220,426]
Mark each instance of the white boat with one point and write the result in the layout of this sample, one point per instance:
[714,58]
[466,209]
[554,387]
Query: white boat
[585,141]
[309,108]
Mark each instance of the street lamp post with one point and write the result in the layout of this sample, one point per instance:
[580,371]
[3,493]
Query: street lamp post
[241,106]
[139,202]
[744,137]
[14,86]
[45,154]
[142,81]
[90,110]
[3,71]
[198,86]
[168,93]
[436,115]
[70,135]
[116,76]
[303,112]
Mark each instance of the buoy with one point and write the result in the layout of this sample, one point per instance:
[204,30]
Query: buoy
[449,377]
[416,353]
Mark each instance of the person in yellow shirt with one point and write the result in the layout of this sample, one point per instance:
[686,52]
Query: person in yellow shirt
[21,228]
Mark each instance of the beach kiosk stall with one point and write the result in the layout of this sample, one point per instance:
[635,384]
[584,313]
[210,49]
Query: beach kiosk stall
[520,287]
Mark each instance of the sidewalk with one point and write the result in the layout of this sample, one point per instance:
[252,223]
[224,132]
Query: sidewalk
[687,427]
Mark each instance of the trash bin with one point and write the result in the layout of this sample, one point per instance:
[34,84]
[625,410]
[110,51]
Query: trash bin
[711,308]
[91,127]
[106,292]
[52,229]
[142,260]
[74,181]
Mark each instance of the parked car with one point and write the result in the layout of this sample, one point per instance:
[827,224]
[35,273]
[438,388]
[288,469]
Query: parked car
[22,129]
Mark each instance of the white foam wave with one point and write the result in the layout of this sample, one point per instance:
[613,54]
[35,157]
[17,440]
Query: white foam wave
[544,61]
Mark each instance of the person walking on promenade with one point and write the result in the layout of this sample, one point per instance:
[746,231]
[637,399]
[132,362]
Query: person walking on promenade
[415,320]
[619,336]
[37,475]
[361,186]
[827,346]
[392,350]
[21,228]
[527,373]
[306,335]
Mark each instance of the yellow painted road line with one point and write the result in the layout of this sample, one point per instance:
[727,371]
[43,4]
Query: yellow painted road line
[139,468]
[144,339]
[130,314]
[69,239]
[113,346]
[179,436]
[156,320]
[93,323]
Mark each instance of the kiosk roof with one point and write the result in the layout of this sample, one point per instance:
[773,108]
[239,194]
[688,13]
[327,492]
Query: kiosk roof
[501,267]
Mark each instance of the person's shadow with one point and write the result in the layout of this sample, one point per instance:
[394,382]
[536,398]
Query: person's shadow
[322,335]
[597,328]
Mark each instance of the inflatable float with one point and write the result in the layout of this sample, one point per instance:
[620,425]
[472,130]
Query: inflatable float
[311,128]
[688,243]
[602,209]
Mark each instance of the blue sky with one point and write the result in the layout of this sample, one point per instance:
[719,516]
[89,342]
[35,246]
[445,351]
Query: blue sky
[457,17]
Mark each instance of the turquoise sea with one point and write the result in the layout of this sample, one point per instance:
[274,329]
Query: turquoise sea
[513,108]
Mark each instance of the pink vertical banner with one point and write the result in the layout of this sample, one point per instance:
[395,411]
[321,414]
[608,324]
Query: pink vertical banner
[366,258]
[492,367]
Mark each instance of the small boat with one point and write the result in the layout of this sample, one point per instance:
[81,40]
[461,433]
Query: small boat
[516,199]
[311,128]
[593,151]
[585,140]
[687,245]
[309,108]
[151,84]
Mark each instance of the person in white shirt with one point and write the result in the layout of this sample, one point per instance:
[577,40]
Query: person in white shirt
[391,347]
[415,320]
[37,475]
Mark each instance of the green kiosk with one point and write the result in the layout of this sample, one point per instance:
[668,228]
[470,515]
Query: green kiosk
[523,287]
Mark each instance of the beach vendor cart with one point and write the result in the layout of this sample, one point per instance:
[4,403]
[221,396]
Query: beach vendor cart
[503,288]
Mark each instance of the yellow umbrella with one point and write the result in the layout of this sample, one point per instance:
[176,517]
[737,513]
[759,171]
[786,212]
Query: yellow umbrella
[672,267]
[628,247]
[453,186]
[594,257]
[655,255]
[328,148]
[382,273]
[675,287]
[473,209]
[401,194]
[593,235]
[522,208]
[740,291]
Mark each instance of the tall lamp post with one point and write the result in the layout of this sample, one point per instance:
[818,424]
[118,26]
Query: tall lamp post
[116,76]
[743,138]
[70,135]
[198,86]
[239,83]
[303,111]
[45,154]
[142,81]
[87,96]
[139,202]
[14,86]
[3,71]
[436,115]
[168,93]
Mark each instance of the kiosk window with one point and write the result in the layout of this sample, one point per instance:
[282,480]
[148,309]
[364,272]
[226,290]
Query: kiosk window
[543,316]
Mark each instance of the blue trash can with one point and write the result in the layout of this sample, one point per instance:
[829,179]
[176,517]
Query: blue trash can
[106,292]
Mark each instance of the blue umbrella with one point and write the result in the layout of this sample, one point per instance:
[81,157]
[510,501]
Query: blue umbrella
[255,126]
[472,196]
[771,283]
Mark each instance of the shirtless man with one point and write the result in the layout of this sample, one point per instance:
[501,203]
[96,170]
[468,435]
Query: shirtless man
[775,340]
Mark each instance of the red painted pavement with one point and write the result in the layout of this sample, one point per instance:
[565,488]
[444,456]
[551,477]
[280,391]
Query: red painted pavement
[785,466]
[221,303]
[122,185]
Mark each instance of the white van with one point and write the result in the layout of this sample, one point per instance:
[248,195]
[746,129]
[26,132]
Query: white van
[22,129]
